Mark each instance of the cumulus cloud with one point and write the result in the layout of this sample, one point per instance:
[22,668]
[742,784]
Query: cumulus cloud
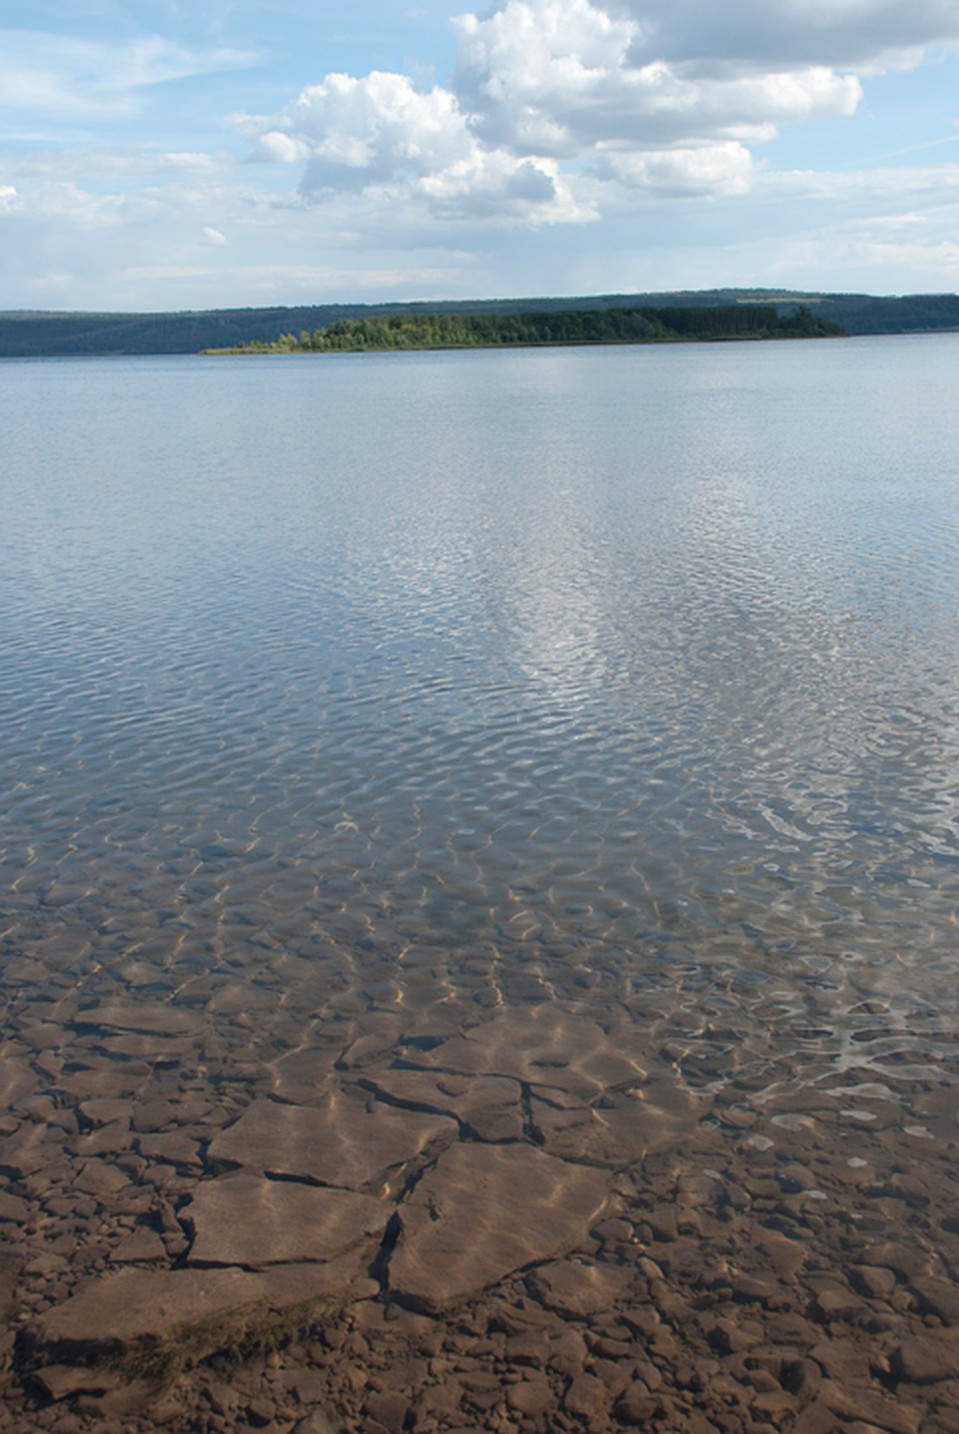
[379,132]
[714,169]
[549,98]
[563,76]
[860,35]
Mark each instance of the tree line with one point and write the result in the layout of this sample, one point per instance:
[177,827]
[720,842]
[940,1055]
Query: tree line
[382,332]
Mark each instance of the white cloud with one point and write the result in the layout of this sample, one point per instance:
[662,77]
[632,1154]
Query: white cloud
[860,35]
[553,100]
[380,132]
[714,169]
[61,77]
[115,164]
[560,75]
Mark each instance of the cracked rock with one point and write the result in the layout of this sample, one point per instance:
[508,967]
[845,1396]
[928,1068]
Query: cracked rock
[484,1211]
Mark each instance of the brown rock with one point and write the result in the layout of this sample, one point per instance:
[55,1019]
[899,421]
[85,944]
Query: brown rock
[836,1303]
[464,1228]
[928,1359]
[873,1281]
[938,1298]
[577,1289]
[260,1413]
[488,1105]
[128,1316]
[61,1381]
[143,1247]
[842,1360]
[17,1081]
[173,1147]
[802,1377]
[248,1220]
[316,1422]
[774,1405]
[586,1396]
[850,1402]
[339,1142]
[636,1405]
[546,1046]
[390,1409]
[29,1150]
[150,1016]
[531,1397]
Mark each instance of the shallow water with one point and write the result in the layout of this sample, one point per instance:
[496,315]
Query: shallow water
[348,704]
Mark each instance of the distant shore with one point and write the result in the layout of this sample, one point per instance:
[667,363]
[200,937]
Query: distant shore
[40,334]
[647,325]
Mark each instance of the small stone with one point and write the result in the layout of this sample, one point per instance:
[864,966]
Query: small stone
[836,1303]
[531,1397]
[802,1377]
[873,1281]
[220,1397]
[142,1247]
[260,1413]
[774,1404]
[938,1298]
[635,1405]
[389,1409]
[927,1360]
[316,1422]
[586,1396]
[62,1381]
[576,1289]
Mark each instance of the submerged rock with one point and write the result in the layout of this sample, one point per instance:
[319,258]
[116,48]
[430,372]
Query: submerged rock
[340,1142]
[465,1226]
[248,1220]
[152,1323]
[543,1046]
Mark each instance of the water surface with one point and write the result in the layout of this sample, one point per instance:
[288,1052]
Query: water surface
[555,750]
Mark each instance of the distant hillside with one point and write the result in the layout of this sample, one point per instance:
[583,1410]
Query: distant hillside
[34,334]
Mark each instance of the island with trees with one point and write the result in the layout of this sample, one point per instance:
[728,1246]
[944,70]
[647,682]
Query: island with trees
[452,330]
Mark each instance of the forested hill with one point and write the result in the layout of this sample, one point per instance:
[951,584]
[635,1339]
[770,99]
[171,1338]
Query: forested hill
[565,326]
[39,334]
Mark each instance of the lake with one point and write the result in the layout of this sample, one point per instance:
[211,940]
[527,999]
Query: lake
[545,757]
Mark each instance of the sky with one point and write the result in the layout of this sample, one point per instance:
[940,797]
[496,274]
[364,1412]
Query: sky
[195,154]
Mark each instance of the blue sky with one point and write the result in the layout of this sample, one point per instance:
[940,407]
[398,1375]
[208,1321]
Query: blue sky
[171,154]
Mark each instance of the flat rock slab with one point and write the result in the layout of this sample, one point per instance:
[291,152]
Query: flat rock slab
[623,1130]
[489,1105]
[152,1321]
[17,1081]
[339,1142]
[543,1046]
[153,1017]
[484,1211]
[30,1149]
[248,1220]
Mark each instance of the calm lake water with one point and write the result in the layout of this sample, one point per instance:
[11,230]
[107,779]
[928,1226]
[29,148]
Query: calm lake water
[522,787]
[637,664]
